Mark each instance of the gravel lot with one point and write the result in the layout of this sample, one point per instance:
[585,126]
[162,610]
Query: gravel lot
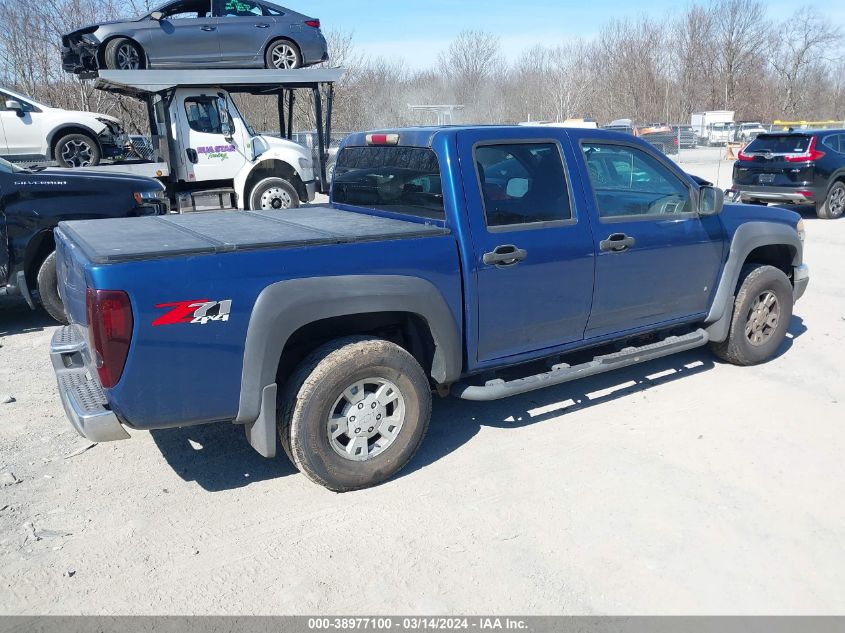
[682,486]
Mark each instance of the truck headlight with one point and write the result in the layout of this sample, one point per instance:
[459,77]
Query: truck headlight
[802,232]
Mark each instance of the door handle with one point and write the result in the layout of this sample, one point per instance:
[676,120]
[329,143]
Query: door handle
[617,243]
[192,155]
[506,255]
[262,26]
[208,29]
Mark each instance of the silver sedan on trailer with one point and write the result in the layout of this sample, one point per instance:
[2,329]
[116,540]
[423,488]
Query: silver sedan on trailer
[199,34]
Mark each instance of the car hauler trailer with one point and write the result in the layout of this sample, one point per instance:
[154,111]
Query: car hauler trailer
[204,150]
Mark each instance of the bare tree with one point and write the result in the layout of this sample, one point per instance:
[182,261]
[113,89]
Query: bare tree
[802,53]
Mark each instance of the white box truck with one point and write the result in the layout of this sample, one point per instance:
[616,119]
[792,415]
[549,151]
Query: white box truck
[715,127]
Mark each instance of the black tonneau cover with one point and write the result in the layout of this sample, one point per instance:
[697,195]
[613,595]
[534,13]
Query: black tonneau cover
[130,239]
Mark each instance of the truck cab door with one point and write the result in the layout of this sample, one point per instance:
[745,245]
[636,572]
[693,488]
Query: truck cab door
[657,260]
[534,253]
[214,143]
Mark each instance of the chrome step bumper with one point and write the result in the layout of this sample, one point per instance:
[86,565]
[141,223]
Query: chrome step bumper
[82,396]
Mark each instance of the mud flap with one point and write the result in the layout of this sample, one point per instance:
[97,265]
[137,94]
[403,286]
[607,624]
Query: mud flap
[261,434]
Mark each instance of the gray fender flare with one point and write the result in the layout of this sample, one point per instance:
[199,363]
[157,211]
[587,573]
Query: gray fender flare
[746,238]
[285,307]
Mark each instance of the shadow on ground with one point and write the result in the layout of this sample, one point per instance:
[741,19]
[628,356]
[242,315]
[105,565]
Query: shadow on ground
[17,318]
[217,457]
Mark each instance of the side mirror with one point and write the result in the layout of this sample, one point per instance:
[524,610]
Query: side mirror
[157,16]
[710,200]
[14,104]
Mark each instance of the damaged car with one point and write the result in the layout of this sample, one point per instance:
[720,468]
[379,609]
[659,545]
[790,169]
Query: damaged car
[199,34]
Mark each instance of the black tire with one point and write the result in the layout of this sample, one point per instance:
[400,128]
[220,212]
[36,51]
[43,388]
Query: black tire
[833,206]
[48,289]
[283,55]
[123,54]
[317,389]
[77,150]
[273,193]
[756,282]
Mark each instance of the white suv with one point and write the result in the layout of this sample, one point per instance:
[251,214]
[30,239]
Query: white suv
[33,131]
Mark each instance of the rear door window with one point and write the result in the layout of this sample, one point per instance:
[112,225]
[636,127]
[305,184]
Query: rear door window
[522,183]
[399,179]
[779,144]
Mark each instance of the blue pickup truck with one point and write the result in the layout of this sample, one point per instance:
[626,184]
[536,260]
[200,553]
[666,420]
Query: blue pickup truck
[480,262]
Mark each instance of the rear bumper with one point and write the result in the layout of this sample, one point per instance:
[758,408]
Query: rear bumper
[82,396]
[776,194]
[800,281]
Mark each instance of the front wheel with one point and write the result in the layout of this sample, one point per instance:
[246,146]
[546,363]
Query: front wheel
[762,312]
[48,289]
[833,206]
[124,54]
[283,55]
[354,413]
[77,150]
[273,194]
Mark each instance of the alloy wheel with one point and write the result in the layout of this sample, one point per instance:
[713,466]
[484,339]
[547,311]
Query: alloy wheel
[284,57]
[77,154]
[128,58]
[763,318]
[836,202]
[366,419]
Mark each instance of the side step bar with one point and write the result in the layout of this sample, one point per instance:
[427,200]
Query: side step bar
[498,389]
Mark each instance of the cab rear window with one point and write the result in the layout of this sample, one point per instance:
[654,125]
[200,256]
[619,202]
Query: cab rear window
[779,144]
[390,178]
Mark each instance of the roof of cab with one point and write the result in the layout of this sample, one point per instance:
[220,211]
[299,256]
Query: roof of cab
[424,136]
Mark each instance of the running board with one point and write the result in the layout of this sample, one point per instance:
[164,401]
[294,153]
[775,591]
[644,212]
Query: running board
[498,389]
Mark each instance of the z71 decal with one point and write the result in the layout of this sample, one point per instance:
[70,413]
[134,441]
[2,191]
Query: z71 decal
[196,312]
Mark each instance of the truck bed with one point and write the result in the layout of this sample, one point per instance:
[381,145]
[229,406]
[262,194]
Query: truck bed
[131,239]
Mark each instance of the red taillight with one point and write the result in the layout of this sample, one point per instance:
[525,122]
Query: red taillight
[812,154]
[743,156]
[314,24]
[110,325]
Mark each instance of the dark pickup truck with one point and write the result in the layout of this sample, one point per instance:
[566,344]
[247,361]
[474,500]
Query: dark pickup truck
[34,201]
[481,262]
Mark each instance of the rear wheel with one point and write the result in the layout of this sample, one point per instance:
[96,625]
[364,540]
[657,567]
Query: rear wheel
[124,54]
[77,150]
[354,413]
[762,312]
[834,204]
[283,55]
[273,193]
[48,289]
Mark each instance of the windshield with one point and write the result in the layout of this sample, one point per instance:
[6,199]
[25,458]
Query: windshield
[8,168]
[400,179]
[779,144]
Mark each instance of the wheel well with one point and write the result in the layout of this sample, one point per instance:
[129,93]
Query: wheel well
[778,255]
[70,129]
[274,169]
[282,39]
[39,248]
[409,331]
[101,49]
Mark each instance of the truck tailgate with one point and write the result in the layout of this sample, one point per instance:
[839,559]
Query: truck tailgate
[157,237]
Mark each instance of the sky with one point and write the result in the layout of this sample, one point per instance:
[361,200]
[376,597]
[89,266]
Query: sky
[417,30]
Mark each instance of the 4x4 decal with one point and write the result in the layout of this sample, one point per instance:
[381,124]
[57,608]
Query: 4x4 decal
[196,312]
